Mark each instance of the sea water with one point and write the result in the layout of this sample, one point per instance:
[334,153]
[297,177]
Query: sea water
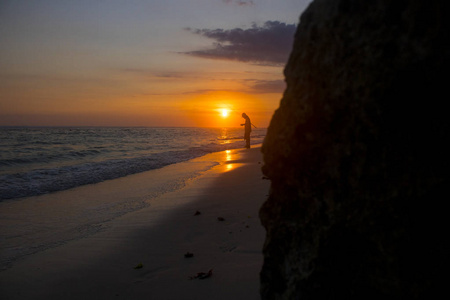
[40,160]
[47,177]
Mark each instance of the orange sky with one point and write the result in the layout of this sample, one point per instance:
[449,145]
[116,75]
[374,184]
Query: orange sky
[143,63]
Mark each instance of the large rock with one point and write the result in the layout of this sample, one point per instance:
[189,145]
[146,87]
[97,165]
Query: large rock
[357,155]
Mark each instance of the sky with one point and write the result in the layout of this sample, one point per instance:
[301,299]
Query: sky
[188,63]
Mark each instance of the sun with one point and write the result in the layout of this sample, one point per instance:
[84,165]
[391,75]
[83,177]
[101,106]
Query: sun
[224,112]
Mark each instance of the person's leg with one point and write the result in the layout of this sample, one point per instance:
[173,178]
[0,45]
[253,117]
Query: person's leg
[247,139]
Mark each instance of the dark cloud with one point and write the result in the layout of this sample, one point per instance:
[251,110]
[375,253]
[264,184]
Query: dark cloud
[269,44]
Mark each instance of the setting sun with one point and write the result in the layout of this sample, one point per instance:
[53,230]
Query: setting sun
[224,112]
[224,109]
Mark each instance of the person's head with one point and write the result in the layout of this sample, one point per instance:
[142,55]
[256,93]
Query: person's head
[244,115]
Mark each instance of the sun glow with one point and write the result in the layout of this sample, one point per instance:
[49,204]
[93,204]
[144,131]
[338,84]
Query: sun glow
[224,112]
[223,109]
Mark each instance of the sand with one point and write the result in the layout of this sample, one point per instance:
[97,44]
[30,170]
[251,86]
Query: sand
[141,255]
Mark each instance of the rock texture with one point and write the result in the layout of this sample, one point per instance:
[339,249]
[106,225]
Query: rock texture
[357,155]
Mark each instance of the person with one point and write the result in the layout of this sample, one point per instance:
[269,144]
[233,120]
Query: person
[248,129]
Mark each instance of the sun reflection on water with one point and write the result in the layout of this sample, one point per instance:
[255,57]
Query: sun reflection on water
[224,136]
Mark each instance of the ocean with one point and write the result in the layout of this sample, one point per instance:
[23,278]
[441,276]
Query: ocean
[35,163]
[41,160]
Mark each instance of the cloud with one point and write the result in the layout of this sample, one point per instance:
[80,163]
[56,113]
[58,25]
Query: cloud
[148,73]
[268,86]
[239,2]
[247,85]
[269,44]
[253,86]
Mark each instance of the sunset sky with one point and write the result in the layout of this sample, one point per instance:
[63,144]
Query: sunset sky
[143,62]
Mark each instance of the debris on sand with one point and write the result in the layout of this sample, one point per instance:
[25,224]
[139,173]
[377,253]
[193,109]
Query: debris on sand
[197,213]
[202,275]
[220,219]
[188,254]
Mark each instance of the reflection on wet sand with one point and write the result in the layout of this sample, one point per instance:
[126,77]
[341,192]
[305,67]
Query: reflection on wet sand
[228,156]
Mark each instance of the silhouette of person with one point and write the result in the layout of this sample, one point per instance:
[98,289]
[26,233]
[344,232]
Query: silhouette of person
[248,129]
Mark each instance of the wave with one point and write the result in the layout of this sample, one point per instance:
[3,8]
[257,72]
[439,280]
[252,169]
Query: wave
[42,181]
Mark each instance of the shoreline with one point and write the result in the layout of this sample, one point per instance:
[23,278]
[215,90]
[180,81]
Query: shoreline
[56,159]
[102,264]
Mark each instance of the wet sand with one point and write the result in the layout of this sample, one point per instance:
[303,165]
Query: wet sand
[142,254]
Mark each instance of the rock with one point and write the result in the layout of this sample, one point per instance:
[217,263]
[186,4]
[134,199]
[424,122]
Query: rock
[357,155]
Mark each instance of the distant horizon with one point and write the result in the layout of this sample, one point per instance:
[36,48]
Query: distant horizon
[113,126]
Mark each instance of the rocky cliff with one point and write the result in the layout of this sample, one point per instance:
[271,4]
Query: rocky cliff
[357,155]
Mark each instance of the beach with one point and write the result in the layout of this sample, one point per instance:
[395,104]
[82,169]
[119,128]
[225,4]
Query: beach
[209,222]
